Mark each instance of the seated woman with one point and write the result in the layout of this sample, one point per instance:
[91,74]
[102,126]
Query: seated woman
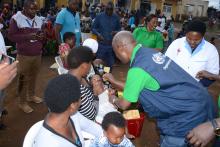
[79,62]
[63,125]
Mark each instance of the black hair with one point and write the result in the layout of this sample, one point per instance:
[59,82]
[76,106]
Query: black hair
[149,17]
[68,35]
[196,26]
[110,3]
[61,92]
[28,2]
[113,118]
[79,55]
[212,39]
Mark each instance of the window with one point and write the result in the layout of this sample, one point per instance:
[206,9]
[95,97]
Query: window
[189,8]
[167,8]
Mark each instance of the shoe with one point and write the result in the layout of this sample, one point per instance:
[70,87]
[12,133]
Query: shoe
[2,126]
[35,99]
[26,108]
[4,112]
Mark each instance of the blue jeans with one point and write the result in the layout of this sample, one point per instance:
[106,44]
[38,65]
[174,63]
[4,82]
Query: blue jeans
[171,141]
[105,52]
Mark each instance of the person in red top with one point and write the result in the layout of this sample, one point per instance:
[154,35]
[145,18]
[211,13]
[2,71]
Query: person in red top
[26,30]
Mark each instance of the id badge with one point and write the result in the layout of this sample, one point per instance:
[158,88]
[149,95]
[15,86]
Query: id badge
[76,30]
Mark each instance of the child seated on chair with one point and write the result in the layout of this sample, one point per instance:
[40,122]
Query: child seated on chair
[114,127]
[64,48]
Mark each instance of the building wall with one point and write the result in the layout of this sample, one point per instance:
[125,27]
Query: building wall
[196,8]
[159,4]
[40,3]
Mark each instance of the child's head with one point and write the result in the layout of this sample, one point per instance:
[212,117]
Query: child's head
[113,125]
[80,58]
[70,39]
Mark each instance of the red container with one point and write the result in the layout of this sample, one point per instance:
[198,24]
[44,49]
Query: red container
[135,125]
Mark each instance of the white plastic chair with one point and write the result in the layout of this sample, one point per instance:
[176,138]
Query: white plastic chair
[31,134]
[61,70]
[59,61]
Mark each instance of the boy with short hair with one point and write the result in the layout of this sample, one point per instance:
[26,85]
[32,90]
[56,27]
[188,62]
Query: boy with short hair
[114,126]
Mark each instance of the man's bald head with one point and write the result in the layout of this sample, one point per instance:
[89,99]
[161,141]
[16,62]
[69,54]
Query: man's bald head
[122,38]
[123,44]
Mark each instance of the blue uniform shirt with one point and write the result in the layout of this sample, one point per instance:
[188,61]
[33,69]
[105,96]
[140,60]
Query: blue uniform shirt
[70,23]
[104,25]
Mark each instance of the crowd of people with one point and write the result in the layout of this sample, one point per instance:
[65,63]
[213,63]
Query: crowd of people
[168,78]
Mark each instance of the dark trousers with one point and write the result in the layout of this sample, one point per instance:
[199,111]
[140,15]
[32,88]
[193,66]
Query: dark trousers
[105,52]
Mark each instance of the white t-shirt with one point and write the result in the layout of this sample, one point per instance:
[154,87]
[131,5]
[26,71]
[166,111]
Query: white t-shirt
[25,22]
[2,46]
[205,57]
[48,138]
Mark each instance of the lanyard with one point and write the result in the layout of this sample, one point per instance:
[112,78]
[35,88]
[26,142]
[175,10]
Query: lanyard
[74,15]
[31,25]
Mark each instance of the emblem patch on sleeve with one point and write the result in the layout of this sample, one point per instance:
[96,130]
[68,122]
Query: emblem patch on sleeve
[158,58]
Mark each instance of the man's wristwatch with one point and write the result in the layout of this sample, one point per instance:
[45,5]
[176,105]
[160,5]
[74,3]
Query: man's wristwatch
[216,127]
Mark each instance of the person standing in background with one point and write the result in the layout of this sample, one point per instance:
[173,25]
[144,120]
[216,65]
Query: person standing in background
[147,35]
[26,30]
[105,26]
[193,53]
[68,20]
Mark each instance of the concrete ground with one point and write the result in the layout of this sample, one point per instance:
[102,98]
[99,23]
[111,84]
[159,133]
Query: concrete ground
[18,122]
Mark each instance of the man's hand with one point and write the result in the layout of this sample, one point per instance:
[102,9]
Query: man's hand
[114,32]
[201,135]
[205,74]
[100,37]
[109,77]
[7,72]
[32,36]
[40,36]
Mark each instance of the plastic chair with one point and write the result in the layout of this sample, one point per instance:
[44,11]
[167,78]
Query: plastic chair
[31,134]
[59,61]
[61,70]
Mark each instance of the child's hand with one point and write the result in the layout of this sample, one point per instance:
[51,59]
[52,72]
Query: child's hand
[130,136]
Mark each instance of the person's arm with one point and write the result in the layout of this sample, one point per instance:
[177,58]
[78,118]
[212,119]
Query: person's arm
[89,126]
[88,105]
[8,73]
[171,50]
[135,33]
[213,62]
[201,135]
[58,28]
[95,28]
[205,74]
[15,36]
[133,87]
[159,43]
[118,25]
[58,25]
